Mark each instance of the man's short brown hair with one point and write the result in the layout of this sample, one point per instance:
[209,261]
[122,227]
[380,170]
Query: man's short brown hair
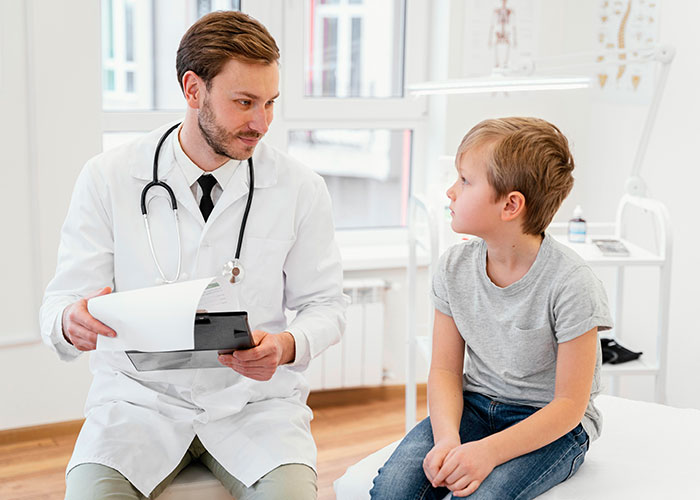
[528,155]
[220,36]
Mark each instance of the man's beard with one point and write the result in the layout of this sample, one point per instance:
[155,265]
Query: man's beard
[217,137]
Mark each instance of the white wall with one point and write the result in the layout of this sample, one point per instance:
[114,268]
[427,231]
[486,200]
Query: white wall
[49,53]
[672,170]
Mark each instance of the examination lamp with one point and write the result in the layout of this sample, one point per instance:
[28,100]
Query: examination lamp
[523,78]
[499,83]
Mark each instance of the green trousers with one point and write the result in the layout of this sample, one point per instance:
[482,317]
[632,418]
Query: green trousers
[289,482]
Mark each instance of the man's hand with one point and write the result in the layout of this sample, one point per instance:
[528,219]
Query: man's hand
[435,458]
[80,328]
[261,362]
[465,468]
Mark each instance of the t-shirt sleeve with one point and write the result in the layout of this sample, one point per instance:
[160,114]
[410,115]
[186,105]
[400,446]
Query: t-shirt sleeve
[438,290]
[580,305]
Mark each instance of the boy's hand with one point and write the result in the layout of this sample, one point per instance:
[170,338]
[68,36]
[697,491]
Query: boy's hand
[435,458]
[465,468]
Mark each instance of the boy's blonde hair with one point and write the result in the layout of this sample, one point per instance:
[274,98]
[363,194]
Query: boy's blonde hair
[528,155]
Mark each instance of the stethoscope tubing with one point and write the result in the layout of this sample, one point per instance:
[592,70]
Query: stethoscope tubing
[248,203]
[155,182]
[173,203]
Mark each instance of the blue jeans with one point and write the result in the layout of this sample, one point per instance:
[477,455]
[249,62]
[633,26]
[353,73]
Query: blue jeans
[527,476]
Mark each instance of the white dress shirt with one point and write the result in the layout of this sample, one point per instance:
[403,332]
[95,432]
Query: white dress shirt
[192,172]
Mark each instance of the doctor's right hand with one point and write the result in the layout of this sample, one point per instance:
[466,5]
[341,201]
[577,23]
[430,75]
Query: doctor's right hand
[80,328]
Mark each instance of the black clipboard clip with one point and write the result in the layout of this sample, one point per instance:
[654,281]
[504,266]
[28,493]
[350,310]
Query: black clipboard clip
[214,333]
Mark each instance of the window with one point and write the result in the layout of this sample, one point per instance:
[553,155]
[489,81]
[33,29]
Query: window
[345,113]
[367,173]
[354,48]
[140,90]
[139,44]
[126,61]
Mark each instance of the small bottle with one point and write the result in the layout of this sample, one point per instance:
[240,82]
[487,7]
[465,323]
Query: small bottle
[577,227]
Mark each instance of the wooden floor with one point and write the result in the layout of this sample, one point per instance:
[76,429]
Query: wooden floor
[348,425]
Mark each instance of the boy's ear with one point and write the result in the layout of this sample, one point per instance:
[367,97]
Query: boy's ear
[513,206]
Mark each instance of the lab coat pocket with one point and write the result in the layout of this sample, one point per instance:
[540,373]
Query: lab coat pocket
[530,350]
[264,262]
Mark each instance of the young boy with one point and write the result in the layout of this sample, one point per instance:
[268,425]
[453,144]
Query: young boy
[517,419]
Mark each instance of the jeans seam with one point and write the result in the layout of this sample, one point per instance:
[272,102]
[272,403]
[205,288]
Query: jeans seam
[492,412]
[423,491]
[548,471]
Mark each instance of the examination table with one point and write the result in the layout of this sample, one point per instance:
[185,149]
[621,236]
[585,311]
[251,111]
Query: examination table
[646,450]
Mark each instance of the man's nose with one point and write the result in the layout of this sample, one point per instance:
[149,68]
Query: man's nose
[260,121]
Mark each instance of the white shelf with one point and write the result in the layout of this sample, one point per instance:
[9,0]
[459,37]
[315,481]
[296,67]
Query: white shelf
[591,253]
[636,367]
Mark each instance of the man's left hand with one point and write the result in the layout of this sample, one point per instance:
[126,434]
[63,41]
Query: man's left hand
[261,362]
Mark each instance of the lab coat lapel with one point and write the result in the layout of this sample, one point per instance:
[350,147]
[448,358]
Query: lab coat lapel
[183,192]
[140,166]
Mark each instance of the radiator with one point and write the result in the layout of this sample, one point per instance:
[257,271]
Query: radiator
[357,360]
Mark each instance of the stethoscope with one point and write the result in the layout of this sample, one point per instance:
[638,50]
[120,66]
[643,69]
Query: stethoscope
[233,269]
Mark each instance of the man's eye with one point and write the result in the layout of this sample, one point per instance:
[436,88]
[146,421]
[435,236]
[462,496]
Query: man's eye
[244,102]
[270,103]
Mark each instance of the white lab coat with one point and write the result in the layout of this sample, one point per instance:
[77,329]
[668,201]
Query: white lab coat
[142,423]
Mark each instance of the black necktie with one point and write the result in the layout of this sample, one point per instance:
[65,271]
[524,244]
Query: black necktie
[206,205]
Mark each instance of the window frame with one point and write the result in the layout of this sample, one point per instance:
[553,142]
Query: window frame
[298,106]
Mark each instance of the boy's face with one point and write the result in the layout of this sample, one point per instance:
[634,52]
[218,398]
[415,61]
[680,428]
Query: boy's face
[473,206]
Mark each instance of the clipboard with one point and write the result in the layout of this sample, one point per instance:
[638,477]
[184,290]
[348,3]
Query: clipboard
[214,333]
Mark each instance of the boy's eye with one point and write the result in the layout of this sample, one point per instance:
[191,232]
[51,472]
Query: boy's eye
[464,181]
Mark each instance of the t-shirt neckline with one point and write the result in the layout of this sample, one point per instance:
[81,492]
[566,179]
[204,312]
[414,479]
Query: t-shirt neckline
[530,275]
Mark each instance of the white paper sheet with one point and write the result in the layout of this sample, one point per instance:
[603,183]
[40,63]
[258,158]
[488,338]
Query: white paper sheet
[219,296]
[159,318]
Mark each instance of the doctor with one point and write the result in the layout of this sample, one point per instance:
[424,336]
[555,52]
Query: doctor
[247,421]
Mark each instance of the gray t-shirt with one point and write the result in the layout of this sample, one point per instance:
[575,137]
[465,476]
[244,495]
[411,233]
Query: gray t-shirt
[511,333]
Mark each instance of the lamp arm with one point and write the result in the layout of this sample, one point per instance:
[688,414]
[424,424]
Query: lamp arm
[635,185]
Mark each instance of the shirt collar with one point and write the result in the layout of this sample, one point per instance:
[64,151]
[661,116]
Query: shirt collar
[192,172]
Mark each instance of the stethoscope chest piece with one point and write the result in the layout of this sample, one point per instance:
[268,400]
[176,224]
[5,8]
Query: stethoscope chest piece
[233,271]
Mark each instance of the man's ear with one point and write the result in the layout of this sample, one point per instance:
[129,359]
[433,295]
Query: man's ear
[513,206]
[192,87]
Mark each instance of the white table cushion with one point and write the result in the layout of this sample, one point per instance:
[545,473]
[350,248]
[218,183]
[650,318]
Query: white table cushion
[646,450]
